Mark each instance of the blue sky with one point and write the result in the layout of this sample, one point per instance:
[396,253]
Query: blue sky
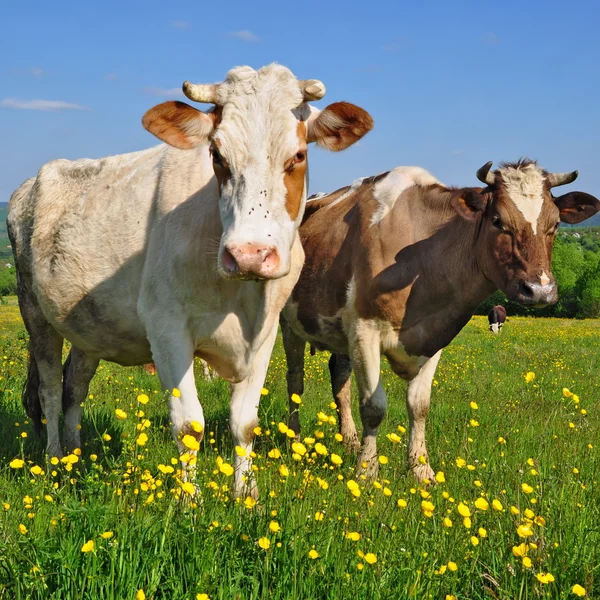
[450,85]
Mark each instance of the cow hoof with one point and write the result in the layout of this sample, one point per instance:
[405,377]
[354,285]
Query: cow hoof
[367,468]
[351,442]
[424,472]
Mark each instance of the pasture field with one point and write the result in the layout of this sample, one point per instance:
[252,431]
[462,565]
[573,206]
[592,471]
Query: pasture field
[515,514]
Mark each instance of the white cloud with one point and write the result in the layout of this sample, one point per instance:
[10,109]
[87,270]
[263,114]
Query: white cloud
[111,77]
[45,105]
[163,92]
[180,24]
[244,35]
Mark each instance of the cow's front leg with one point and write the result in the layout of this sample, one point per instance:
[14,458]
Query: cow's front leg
[245,397]
[173,356]
[418,397]
[340,370]
[294,347]
[366,359]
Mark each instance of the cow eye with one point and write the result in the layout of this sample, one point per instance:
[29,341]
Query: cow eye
[216,156]
[497,222]
[556,226]
[300,157]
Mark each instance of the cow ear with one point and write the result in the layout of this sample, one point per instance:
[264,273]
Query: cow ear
[468,203]
[575,207]
[338,126]
[178,124]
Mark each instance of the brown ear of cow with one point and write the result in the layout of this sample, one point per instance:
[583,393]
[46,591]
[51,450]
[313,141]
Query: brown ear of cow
[575,207]
[339,126]
[178,124]
[468,203]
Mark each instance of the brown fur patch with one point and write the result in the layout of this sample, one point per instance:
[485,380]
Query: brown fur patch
[294,177]
[187,429]
[248,434]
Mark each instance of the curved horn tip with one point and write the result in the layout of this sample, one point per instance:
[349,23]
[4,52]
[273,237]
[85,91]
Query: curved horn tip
[484,175]
[556,179]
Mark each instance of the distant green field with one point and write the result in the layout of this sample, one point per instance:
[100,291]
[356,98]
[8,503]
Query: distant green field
[523,460]
[5,250]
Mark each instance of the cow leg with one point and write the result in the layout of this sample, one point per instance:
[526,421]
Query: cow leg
[417,403]
[366,360]
[294,347]
[340,369]
[78,371]
[245,397]
[173,356]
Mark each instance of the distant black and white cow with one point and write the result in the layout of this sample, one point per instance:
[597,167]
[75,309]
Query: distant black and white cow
[496,317]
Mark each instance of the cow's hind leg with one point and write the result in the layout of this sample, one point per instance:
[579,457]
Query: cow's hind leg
[294,347]
[340,369]
[78,371]
[245,397]
[366,359]
[417,403]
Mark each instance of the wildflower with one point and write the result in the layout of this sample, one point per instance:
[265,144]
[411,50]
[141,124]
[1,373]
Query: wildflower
[188,487]
[274,526]
[23,434]
[567,393]
[106,437]
[164,469]
[6,506]
[460,462]
[353,535]
[370,558]
[514,510]
[175,392]
[296,399]
[577,589]
[482,504]
[106,535]
[339,437]
[284,471]
[190,442]
[283,428]
[22,528]
[226,469]
[88,546]
[440,477]
[120,414]
[264,543]
[383,460]
[393,437]
[527,562]
[240,451]
[520,550]
[540,521]
[319,516]
[313,554]
[402,503]
[524,531]
[529,377]
[474,423]
[143,399]
[36,470]
[321,449]
[299,448]
[336,460]
[447,522]
[474,540]
[452,566]
[501,440]
[142,439]
[139,595]
[545,577]
[527,489]
[202,597]
[428,508]
[249,502]
[274,453]
[463,510]
[16,463]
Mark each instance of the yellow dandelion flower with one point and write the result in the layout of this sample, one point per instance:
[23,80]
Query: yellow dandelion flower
[274,453]
[402,503]
[452,566]
[353,535]
[520,550]
[529,377]
[319,516]
[440,477]
[283,428]
[16,463]
[514,510]
[120,414]
[142,439]
[460,462]
[295,399]
[336,460]
[249,502]
[527,562]
[190,442]
[481,504]
[463,510]
[567,393]
[143,399]
[473,405]
[383,460]
[22,528]
[106,437]
[474,540]
[540,521]
[284,471]
[313,554]
[474,423]
[175,392]
[188,487]
[240,451]
[370,558]
[394,438]
[321,449]
[106,535]
[264,543]
[88,546]
[264,391]
[524,531]
[299,448]
[139,595]
[527,489]
[274,526]
[338,437]
[578,590]
[545,577]
[226,469]
[447,522]
[482,532]
[202,597]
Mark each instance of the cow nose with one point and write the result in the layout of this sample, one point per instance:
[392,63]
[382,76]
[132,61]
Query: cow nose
[536,294]
[250,260]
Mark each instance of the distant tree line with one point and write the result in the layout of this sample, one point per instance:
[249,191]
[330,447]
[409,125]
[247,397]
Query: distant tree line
[576,267]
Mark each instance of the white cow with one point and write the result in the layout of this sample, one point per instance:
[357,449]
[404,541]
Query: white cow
[186,249]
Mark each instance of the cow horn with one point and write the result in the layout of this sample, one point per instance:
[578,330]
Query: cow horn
[312,89]
[201,92]
[555,179]
[485,175]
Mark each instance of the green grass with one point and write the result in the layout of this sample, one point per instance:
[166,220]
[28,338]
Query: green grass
[174,549]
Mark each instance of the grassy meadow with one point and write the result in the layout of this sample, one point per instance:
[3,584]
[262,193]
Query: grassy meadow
[515,514]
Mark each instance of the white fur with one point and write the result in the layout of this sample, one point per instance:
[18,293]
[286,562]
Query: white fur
[495,327]
[389,189]
[544,279]
[525,187]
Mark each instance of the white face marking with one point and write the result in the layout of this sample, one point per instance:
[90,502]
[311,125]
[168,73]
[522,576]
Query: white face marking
[389,189]
[544,279]
[525,187]
[495,327]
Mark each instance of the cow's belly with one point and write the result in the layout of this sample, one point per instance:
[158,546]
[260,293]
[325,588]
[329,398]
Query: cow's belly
[322,332]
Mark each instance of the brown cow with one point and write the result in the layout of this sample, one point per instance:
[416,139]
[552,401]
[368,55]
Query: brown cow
[396,265]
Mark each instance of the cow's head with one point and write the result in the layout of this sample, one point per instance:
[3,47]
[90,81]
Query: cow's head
[258,134]
[517,218]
